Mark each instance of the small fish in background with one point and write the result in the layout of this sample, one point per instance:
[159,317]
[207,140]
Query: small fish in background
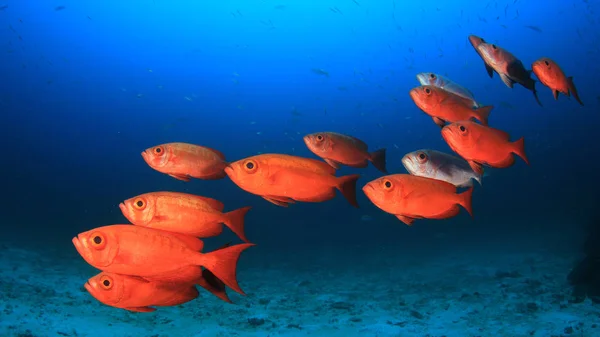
[481,145]
[552,76]
[183,213]
[510,69]
[321,72]
[366,218]
[283,179]
[156,255]
[445,107]
[184,161]
[441,166]
[448,85]
[3,7]
[534,28]
[338,149]
[59,8]
[411,197]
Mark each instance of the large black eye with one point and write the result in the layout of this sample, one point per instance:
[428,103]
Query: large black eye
[494,46]
[432,76]
[387,184]
[97,239]
[106,283]
[546,62]
[139,203]
[319,137]
[249,165]
[427,91]
[462,128]
[422,156]
[158,150]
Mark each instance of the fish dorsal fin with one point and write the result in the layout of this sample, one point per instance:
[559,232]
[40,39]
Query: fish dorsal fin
[361,145]
[214,204]
[217,152]
[500,133]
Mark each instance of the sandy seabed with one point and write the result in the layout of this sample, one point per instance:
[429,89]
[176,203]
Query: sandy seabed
[358,292]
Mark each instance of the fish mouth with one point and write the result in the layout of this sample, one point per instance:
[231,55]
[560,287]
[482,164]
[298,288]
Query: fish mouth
[78,244]
[228,170]
[122,207]
[475,40]
[88,286]
[422,79]
[407,162]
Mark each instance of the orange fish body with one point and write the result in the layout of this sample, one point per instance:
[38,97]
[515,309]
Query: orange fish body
[283,179]
[156,254]
[183,213]
[134,293]
[444,106]
[481,145]
[184,161]
[552,76]
[338,149]
[411,197]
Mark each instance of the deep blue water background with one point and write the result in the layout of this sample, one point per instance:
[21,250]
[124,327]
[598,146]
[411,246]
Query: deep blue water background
[85,89]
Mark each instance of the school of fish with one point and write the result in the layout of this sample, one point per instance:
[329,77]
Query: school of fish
[157,259]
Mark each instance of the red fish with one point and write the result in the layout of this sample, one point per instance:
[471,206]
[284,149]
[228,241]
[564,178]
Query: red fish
[481,145]
[444,106]
[475,42]
[282,179]
[134,293]
[554,78]
[338,149]
[510,69]
[156,255]
[183,213]
[411,197]
[184,161]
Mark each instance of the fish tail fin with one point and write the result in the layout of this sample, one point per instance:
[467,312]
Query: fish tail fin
[378,160]
[213,285]
[347,185]
[483,113]
[519,149]
[573,90]
[466,199]
[235,221]
[223,263]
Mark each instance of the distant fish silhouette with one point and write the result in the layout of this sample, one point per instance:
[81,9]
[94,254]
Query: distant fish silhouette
[534,28]
[3,7]
[59,8]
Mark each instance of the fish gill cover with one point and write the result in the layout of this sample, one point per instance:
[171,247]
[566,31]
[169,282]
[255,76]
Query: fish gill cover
[315,130]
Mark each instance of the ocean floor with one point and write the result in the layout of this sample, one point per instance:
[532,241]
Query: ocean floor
[357,292]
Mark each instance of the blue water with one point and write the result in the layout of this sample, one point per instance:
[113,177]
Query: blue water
[85,88]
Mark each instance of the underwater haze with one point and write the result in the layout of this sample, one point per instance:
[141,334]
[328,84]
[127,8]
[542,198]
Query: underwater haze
[87,86]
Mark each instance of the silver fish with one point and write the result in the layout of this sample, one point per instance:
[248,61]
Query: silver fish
[448,85]
[441,166]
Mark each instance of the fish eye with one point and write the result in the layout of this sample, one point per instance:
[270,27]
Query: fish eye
[546,62]
[422,157]
[158,150]
[98,241]
[432,76]
[387,184]
[462,128]
[320,138]
[494,46]
[427,91]
[106,282]
[250,166]
[139,203]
